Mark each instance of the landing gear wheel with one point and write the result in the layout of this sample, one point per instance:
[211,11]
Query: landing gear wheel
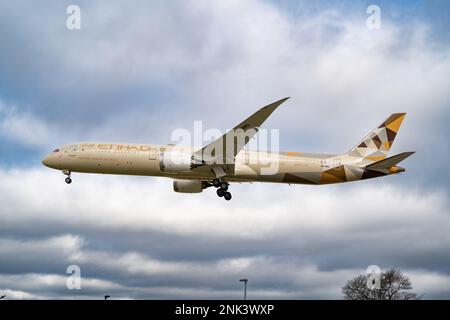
[216,183]
[68,180]
[220,192]
[227,196]
[224,186]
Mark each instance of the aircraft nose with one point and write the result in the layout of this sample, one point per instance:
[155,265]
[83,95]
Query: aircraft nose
[50,161]
[46,161]
[53,159]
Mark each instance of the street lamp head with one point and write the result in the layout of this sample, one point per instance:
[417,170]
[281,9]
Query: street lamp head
[245,287]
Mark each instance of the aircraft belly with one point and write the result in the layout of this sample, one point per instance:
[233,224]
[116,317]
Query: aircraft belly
[302,177]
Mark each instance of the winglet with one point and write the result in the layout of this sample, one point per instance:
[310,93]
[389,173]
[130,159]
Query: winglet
[256,119]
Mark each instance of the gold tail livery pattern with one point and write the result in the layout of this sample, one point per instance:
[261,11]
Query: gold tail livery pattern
[376,145]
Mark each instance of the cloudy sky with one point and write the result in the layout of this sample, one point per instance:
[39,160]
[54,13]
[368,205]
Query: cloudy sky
[136,71]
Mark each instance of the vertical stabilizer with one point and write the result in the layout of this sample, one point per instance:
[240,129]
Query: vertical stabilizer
[376,145]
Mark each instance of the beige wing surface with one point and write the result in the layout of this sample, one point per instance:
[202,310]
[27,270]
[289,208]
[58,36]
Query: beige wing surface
[220,154]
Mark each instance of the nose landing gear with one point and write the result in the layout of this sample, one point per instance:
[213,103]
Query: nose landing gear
[68,179]
[222,190]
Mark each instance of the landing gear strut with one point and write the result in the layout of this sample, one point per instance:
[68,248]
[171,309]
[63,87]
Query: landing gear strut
[222,189]
[68,179]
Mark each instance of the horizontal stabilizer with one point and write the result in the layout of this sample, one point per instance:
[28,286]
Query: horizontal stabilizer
[388,163]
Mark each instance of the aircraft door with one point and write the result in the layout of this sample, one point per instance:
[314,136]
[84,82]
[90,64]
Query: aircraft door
[152,154]
[73,150]
[336,162]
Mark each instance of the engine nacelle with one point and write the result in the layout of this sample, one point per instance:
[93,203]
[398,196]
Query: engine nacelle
[176,162]
[188,186]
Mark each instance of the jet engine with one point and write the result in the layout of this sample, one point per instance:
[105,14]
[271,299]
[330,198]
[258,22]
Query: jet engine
[176,162]
[189,186]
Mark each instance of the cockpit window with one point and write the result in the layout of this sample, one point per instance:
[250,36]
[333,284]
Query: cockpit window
[56,150]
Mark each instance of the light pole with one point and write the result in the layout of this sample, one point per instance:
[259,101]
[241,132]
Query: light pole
[245,287]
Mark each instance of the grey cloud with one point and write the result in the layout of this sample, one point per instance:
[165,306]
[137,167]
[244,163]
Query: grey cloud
[152,60]
[138,242]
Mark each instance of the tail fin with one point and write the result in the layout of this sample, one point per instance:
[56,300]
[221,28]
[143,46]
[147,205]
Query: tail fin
[376,145]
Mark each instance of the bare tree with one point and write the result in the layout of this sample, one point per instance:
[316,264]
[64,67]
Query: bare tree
[394,285]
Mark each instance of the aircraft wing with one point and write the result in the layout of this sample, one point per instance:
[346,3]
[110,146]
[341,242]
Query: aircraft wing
[221,152]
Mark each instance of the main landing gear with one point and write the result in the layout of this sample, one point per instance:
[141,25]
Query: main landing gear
[68,179]
[222,189]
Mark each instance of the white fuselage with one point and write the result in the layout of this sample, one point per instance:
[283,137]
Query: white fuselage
[145,159]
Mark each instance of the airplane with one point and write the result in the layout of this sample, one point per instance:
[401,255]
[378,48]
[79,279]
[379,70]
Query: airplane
[225,160]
